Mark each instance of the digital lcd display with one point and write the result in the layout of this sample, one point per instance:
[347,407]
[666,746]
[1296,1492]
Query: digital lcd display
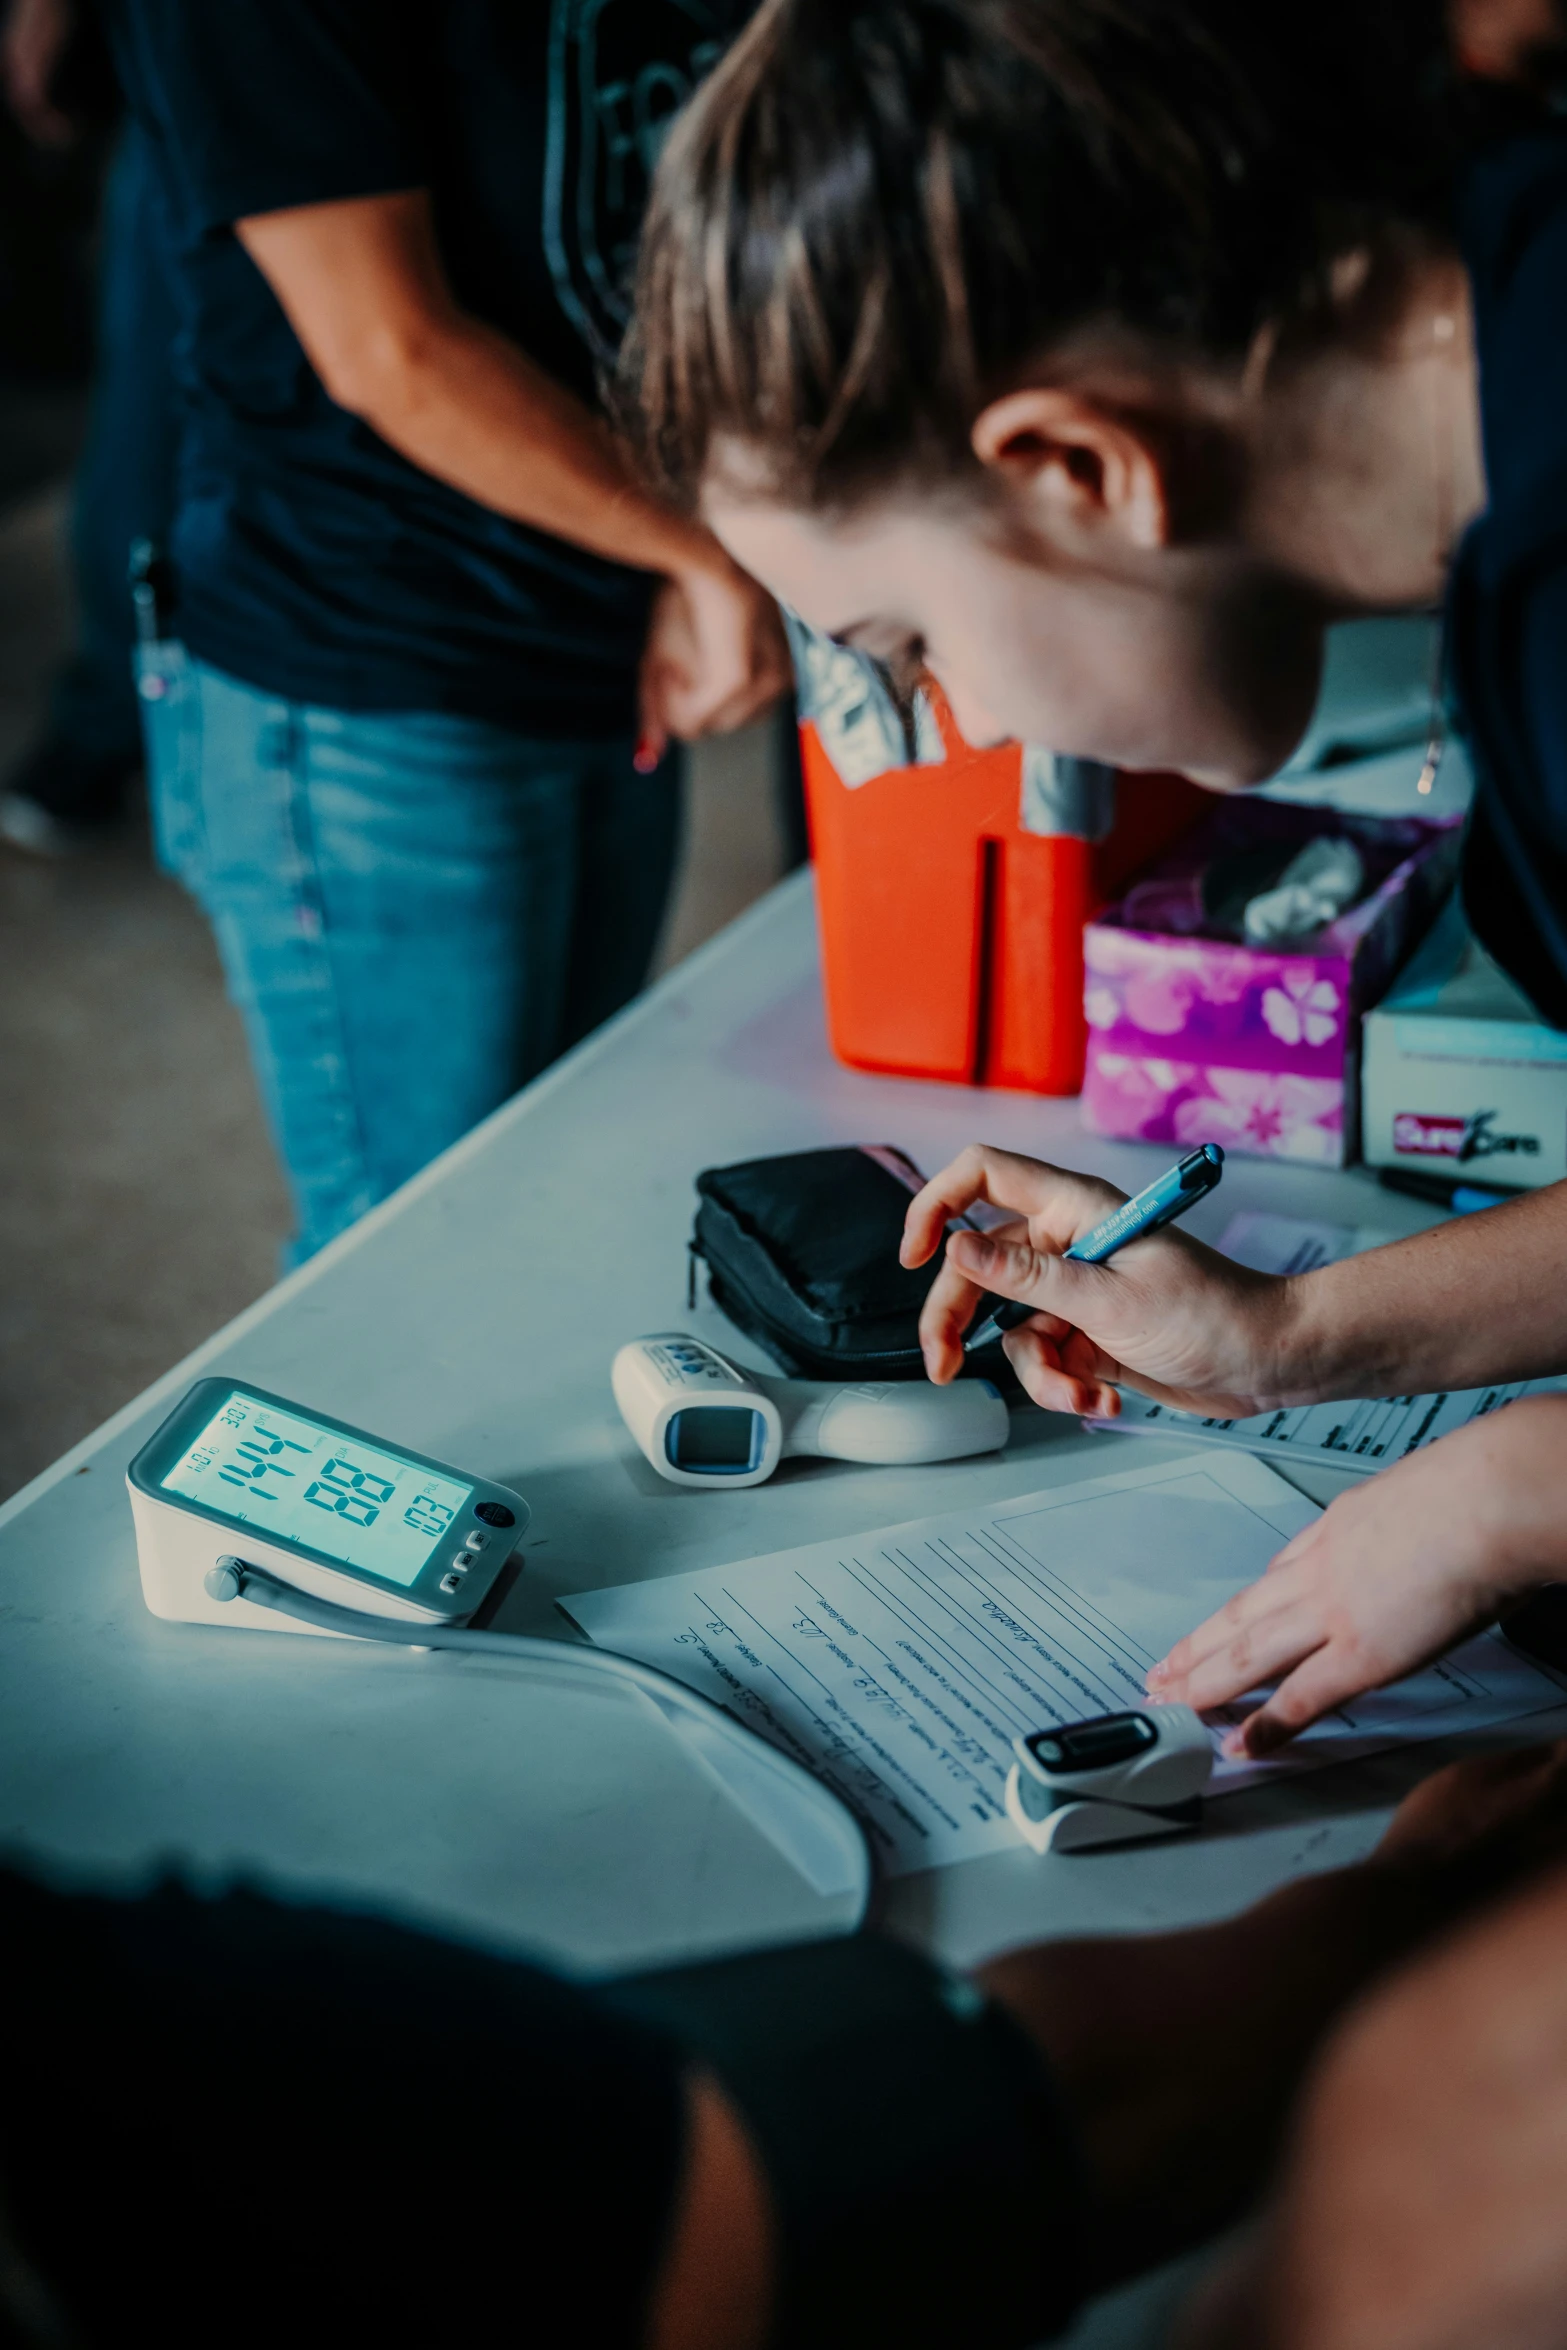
[714,1436]
[297,1481]
[1094,1745]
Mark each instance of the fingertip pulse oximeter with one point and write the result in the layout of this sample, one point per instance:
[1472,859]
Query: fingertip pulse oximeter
[1112,1780]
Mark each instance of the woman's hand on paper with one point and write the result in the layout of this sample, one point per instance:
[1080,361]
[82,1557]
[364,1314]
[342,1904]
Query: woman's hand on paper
[1389,1576]
[1166,1315]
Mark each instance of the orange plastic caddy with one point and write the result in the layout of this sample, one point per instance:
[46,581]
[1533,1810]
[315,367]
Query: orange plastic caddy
[953,887]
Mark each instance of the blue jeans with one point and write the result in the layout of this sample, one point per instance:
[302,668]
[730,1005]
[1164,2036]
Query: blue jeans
[416,912]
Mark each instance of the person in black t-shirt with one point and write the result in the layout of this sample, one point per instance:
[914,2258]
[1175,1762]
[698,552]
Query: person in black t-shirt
[233,2121]
[423,627]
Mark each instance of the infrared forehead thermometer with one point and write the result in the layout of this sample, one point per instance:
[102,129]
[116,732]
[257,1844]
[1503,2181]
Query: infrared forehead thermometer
[1111,1780]
[703,1421]
[341,1516]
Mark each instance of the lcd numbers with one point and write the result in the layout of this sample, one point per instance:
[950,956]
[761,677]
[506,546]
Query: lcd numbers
[308,1484]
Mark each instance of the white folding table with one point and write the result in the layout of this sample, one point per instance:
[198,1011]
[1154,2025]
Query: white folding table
[474,1317]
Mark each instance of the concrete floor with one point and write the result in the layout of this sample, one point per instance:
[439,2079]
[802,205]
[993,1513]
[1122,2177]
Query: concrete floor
[140,1200]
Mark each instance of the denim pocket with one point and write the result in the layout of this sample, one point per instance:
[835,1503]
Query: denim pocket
[171,735]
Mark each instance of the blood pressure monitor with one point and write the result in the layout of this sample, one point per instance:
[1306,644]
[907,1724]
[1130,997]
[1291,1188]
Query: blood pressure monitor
[251,1510]
[342,1516]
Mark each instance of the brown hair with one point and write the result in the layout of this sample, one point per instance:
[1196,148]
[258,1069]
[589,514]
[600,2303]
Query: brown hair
[876,212]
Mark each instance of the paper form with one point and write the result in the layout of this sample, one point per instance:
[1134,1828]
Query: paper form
[900,1664]
[1356,1435]
[1361,1435]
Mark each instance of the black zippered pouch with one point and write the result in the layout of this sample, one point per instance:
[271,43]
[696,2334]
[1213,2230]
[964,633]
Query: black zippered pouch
[802,1256]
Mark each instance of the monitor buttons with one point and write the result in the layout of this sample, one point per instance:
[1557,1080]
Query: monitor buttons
[451,1582]
[462,1562]
[494,1513]
[475,1540]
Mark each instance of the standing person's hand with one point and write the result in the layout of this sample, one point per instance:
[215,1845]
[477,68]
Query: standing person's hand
[716,656]
[1389,1576]
[31,47]
[1165,1315]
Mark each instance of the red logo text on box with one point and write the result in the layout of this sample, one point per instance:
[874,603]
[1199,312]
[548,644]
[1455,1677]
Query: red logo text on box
[1431,1138]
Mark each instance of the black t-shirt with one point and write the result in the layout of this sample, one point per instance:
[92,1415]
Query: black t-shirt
[1507,608]
[314,561]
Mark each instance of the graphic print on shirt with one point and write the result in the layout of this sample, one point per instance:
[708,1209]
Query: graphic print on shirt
[620,70]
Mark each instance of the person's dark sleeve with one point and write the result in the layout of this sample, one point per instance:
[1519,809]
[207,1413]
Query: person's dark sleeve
[274,103]
[923,2174]
[235,2123]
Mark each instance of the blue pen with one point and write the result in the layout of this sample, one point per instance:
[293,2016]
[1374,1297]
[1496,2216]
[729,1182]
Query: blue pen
[1160,1204]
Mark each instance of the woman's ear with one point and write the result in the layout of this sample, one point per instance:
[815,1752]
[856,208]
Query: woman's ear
[1080,470]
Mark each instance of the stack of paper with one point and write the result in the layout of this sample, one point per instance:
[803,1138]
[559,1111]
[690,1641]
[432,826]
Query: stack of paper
[901,1664]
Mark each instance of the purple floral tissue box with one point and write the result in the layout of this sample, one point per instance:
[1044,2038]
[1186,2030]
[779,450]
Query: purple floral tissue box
[1198,1039]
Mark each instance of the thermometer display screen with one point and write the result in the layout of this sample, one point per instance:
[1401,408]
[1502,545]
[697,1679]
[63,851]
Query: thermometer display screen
[719,1438]
[300,1482]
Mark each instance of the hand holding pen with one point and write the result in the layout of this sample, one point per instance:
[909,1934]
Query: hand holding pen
[1180,1188]
[1169,1317]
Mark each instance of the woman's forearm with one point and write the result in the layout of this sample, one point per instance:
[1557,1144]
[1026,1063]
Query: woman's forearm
[1481,1298]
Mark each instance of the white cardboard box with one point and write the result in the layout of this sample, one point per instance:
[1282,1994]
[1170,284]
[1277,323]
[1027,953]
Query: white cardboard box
[1459,1075]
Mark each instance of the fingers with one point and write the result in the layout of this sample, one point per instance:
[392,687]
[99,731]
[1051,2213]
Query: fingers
[1042,1362]
[716,700]
[948,1310]
[1006,1262]
[1295,1549]
[950,1307]
[946,1195]
[1238,1619]
[1060,1366]
[1253,1654]
[1325,1680]
[1069,1204]
[716,652]
[652,745]
[652,715]
[1056,1206]
[747,702]
[1065,1296]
